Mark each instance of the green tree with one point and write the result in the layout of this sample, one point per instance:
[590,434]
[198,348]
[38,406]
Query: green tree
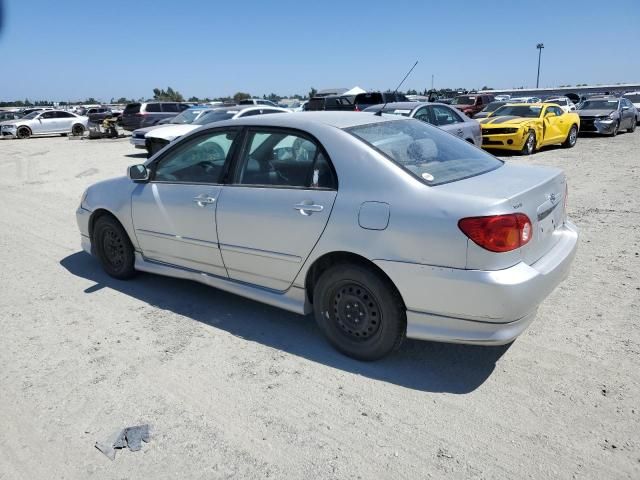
[312,92]
[240,96]
[169,95]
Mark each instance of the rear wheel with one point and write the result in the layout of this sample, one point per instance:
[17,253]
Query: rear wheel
[572,137]
[113,247]
[359,311]
[530,144]
[23,132]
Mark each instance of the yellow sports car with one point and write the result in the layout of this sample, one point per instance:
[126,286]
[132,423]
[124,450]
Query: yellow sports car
[525,127]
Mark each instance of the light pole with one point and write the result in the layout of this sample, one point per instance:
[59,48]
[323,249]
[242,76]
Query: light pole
[539,46]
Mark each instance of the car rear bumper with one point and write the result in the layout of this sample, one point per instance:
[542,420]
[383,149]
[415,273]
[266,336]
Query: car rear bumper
[476,306]
[137,142]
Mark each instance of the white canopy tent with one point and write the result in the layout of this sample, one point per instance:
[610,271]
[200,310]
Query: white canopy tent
[354,91]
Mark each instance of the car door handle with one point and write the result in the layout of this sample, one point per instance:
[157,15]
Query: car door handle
[308,208]
[203,200]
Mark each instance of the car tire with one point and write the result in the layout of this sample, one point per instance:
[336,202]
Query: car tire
[615,129]
[23,132]
[113,248]
[359,311]
[572,137]
[530,144]
[632,128]
[77,130]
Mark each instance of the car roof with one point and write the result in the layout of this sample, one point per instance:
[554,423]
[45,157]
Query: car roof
[241,108]
[406,105]
[335,119]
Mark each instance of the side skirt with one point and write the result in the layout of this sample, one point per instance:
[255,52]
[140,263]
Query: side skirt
[293,300]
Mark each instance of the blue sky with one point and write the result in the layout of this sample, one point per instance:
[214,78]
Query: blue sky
[71,49]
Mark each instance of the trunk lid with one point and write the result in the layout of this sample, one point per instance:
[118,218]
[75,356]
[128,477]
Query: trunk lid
[538,192]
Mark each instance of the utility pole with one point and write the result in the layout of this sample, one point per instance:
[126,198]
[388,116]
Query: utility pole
[539,46]
[432,81]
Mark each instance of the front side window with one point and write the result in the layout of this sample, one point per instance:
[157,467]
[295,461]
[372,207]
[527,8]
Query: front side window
[200,160]
[428,153]
[284,159]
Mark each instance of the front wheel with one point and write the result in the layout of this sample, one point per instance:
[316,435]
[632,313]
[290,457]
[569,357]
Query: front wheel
[23,132]
[632,128]
[530,144]
[359,311]
[616,127]
[572,138]
[113,248]
[77,130]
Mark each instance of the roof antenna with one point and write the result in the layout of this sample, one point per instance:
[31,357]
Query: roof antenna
[379,112]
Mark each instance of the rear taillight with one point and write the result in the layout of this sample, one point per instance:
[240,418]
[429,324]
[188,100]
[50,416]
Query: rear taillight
[141,114]
[498,233]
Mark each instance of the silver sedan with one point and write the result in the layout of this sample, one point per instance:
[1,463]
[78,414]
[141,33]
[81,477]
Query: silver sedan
[442,116]
[384,227]
[45,122]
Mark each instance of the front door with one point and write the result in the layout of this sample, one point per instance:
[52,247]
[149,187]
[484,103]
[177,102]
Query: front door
[174,215]
[554,124]
[46,123]
[274,210]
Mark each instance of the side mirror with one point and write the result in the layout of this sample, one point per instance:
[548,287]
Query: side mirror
[138,173]
[549,114]
[625,108]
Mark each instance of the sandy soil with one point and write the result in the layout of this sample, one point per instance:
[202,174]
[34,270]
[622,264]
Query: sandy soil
[236,389]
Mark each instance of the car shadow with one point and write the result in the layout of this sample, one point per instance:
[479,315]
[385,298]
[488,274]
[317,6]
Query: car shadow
[418,365]
[136,155]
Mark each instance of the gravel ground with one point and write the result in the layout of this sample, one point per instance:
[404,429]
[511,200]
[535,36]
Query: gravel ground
[236,389]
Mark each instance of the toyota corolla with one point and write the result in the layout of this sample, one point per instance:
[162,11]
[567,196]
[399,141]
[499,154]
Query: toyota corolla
[382,227]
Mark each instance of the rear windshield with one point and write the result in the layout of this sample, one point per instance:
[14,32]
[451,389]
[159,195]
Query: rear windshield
[187,116]
[132,108]
[463,100]
[493,106]
[369,98]
[429,154]
[246,102]
[214,117]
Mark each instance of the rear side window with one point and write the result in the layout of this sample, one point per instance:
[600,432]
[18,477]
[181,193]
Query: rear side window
[369,99]
[153,107]
[246,102]
[131,109]
[170,107]
[283,159]
[429,154]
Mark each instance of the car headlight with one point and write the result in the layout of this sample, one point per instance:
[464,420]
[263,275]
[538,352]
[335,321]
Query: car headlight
[83,198]
[612,116]
[8,126]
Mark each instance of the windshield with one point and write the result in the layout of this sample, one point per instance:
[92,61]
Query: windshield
[635,98]
[463,100]
[518,111]
[493,106]
[429,154]
[599,105]
[211,117]
[188,116]
[31,115]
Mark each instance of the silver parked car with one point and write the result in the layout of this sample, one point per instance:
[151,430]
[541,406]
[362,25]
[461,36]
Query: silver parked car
[443,116]
[382,226]
[45,122]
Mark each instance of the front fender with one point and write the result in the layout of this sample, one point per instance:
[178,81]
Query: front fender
[114,197]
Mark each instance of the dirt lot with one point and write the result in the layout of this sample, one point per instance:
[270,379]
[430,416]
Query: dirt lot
[236,389]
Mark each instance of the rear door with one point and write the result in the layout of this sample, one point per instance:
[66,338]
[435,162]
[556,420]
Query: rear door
[65,120]
[174,215]
[275,207]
